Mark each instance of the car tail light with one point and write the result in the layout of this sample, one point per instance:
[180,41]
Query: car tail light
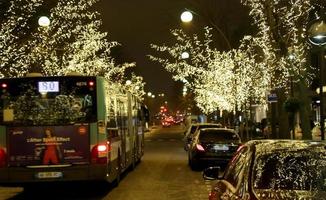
[3,158]
[212,195]
[199,147]
[240,146]
[100,153]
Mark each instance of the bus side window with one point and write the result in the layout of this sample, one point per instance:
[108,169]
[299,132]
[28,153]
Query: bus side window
[112,123]
[113,132]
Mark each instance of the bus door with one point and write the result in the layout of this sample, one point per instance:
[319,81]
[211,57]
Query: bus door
[122,124]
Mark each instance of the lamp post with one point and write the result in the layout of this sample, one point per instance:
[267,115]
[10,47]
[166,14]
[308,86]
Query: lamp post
[317,37]
[40,49]
[291,58]
[187,16]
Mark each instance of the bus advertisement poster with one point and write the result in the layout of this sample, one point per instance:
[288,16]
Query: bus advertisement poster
[48,145]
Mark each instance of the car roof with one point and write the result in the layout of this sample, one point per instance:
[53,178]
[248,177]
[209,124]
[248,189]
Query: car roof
[217,129]
[269,146]
[204,124]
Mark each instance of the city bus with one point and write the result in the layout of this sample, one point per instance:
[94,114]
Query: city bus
[67,128]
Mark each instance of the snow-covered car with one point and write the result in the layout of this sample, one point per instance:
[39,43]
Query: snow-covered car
[272,169]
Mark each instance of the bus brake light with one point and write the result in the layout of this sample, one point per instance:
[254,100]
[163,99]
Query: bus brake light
[91,83]
[99,154]
[4,85]
[101,148]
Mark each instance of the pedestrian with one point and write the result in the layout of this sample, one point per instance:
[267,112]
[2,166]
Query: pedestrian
[298,132]
[52,151]
[316,133]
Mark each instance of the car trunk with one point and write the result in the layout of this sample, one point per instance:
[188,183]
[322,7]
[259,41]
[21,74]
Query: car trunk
[220,147]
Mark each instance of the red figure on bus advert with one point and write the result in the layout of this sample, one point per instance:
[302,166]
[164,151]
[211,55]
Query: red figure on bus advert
[51,149]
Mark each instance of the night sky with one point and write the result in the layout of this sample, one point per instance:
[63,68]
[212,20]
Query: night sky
[135,24]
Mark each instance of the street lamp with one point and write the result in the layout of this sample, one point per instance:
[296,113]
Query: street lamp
[44,21]
[187,16]
[185,55]
[291,58]
[317,37]
[128,82]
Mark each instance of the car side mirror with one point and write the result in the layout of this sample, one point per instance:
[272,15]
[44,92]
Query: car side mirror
[211,173]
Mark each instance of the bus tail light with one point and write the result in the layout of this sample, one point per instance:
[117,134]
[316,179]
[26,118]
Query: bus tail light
[4,85]
[102,148]
[100,154]
[3,158]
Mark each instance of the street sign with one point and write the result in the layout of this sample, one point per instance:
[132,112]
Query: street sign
[272,98]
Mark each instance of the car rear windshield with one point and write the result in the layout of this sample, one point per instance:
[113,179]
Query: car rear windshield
[299,170]
[217,135]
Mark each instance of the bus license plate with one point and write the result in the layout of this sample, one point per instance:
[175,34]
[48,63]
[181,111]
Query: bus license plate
[41,175]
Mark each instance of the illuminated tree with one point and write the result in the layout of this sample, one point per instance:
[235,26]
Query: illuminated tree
[273,59]
[220,80]
[281,34]
[281,46]
[136,86]
[14,29]
[72,42]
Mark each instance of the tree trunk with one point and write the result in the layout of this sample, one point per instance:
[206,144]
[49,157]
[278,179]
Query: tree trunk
[282,115]
[305,110]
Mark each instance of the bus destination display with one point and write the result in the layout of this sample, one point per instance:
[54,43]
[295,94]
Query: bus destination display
[48,86]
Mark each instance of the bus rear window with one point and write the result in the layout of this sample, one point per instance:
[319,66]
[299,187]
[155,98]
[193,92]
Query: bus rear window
[48,100]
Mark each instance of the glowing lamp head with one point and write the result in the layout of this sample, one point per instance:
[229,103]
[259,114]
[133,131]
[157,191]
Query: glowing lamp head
[317,32]
[186,16]
[44,21]
[185,55]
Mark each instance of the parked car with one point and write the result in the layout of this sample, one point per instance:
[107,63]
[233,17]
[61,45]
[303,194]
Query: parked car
[272,169]
[212,146]
[193,128]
